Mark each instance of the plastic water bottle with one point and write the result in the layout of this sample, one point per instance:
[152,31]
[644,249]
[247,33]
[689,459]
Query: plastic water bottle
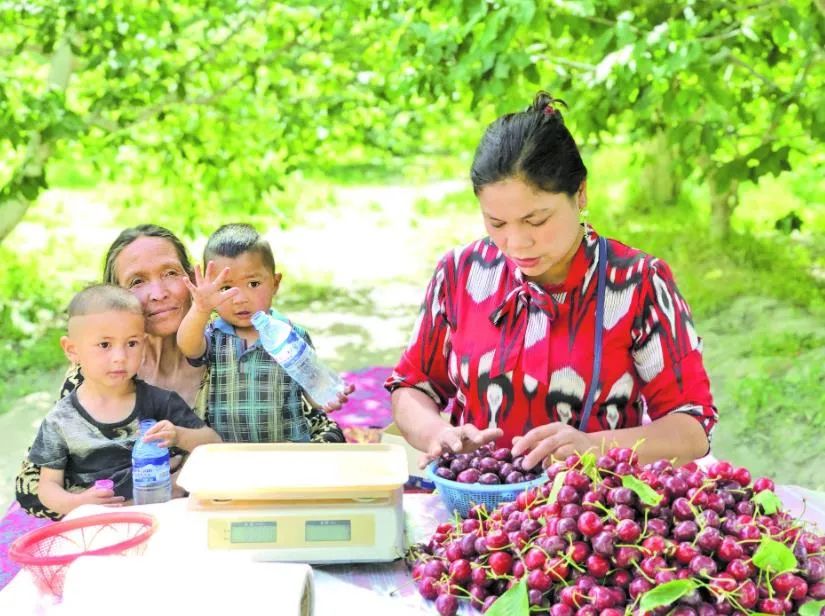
[151,476]
[297,358]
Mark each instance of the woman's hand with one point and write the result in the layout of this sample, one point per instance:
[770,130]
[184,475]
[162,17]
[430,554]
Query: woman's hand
[459,439]
[208,291]
[164,432]
[556,439]
[342,399]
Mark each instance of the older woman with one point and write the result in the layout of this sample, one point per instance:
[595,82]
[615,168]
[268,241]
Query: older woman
[152,263]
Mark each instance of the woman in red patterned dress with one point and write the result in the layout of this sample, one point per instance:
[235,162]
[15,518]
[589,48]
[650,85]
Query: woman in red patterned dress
[545,334]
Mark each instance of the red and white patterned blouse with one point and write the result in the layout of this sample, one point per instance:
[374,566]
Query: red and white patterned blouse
[516,355]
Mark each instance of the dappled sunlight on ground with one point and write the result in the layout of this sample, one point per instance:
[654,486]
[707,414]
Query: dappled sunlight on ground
[381,237]
[73,223]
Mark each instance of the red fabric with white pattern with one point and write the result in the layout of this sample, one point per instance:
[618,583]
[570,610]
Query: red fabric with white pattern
[517,355]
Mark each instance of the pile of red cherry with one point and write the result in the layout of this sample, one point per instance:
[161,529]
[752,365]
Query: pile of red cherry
[607,537]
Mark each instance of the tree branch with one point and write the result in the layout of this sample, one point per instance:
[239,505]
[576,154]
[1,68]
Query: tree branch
[208,56]
[565,62]
[720,37]
[13,52]
[151,111]
[38,151]
[766,80]
[607,22]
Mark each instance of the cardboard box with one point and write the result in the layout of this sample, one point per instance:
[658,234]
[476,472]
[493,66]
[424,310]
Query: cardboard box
[392,435]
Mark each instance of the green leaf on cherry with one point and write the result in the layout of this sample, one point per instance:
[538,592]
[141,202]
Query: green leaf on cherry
[773,556]
[589,468]
[812,608]
[646,494]
[558,482]
[666,594]
[767,501]
[513,602]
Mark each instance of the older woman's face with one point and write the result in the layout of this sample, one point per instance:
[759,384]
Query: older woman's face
[149,267]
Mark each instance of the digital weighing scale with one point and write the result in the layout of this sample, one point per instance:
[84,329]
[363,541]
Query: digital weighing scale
[300,502]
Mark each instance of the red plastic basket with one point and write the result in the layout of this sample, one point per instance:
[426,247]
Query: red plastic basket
[47,552]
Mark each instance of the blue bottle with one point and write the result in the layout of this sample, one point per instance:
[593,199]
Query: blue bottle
[297,358]
[151,477]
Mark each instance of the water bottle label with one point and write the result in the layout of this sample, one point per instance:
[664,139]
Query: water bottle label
[294,352]
[150,471]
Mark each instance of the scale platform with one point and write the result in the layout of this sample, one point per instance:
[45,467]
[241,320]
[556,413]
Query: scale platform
[299,502]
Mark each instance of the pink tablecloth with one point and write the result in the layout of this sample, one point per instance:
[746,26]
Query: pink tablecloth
[14,524]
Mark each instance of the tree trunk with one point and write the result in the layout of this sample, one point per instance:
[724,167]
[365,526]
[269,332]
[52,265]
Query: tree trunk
[660,181]
[13,202]
[12,211]
[722,203]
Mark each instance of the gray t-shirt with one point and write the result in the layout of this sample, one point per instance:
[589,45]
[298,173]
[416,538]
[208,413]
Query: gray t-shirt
[86,450]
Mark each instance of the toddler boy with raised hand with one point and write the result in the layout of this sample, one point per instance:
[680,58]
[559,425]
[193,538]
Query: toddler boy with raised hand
[251,398]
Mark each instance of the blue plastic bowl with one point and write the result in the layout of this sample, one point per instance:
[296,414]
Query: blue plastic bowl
[461,497]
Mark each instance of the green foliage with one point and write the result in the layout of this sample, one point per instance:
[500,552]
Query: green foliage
[773,556]
[731,87]
[666,594]
[460,201]
[712,274]
[812,608]
[514,602]
[227,103]
[646,494]
[31,322]
[303,294]
[224,102]
[787,397]
[767,501]
[775,414]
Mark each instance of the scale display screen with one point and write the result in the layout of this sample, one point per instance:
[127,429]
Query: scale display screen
[328,530]
[253,532]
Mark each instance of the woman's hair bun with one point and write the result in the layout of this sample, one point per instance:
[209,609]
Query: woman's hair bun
[546,103]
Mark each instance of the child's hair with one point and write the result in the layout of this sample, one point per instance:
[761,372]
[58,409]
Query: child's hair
[232,240]
[103,298]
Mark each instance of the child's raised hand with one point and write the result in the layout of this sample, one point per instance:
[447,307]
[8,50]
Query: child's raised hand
[102,496]
[208,291]
[164,433]
[342,399]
